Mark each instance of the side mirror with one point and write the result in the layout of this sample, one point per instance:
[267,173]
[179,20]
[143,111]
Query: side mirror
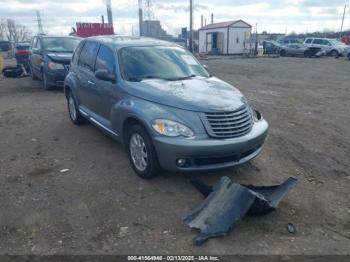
[103,74]
[36,51]
[206,68]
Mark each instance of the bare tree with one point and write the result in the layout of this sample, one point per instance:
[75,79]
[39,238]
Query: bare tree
[3,28]
[13,31]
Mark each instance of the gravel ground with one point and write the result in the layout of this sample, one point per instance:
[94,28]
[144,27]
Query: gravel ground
[99,206]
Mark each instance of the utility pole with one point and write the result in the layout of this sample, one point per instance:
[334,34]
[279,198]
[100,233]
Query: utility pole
[191,26]
[148,10]
[256,40]
[342,23]
[109,12]
[140,17]
[40,25]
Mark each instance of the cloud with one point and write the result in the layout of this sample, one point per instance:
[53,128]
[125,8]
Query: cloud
[271,15]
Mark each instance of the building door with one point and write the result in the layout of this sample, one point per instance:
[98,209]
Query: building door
[209,42]
[237,41]
[220,42]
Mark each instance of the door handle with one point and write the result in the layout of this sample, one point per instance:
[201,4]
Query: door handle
[91,83]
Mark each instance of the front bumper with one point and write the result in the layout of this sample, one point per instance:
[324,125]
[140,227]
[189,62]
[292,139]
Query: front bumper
[56,77]
[209,153]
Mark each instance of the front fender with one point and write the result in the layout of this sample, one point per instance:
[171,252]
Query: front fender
[71,82]
[145,112]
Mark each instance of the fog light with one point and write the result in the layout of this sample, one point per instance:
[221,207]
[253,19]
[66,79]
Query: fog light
[256,115]
[181,162]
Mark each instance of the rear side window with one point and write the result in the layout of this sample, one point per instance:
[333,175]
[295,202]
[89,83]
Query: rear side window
[105,60]
[76,54]
[88,56]
[326,42]
[318,41]
[34,42]
[308,41]
[38,44]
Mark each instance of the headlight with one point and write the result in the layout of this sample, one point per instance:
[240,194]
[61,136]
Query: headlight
[171,128]
[55,66]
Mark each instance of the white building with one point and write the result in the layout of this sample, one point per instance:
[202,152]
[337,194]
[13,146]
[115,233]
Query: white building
[225,38]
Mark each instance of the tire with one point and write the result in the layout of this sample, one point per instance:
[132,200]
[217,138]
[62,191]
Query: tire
[283,53]
[349,56]
[33,76]
[141,152]
[307,54]
[46,86]
[334,54]
[73,111]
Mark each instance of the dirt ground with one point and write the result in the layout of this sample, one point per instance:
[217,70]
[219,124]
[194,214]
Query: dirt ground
[99,206]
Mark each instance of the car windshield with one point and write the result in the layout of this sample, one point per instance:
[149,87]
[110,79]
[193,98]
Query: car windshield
[336,42]
[60,44]
[169,63]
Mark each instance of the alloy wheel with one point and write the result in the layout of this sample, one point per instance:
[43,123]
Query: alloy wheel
[72,109]
[138,152]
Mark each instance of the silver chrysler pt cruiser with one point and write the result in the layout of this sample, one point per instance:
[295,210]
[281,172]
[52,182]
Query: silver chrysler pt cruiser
[156,99]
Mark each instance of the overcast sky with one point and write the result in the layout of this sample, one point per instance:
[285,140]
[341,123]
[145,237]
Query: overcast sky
[282,16]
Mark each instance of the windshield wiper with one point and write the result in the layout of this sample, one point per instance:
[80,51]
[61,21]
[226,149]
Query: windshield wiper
[134,79]
[58,51]
[183,77]
[140,78]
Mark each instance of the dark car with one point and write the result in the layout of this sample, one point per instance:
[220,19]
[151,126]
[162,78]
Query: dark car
[346,52]
[5,46]
[50,58]
[271,47]
[161,103]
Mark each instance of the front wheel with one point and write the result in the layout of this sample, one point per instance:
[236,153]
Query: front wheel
[283,53]
[334,53]
[46,85]
[32,74]
[73,111]
[142,155]
[307,53]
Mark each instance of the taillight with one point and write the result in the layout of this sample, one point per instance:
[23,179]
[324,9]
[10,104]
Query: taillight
[23,52]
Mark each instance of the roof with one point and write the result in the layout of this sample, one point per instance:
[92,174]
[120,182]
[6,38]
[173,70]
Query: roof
[118,40]
[57,36]
[223,24]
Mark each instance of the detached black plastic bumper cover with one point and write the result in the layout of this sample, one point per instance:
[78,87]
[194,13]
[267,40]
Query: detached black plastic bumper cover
[227,203]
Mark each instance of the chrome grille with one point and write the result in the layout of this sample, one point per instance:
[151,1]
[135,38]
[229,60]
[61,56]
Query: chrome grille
[229,124]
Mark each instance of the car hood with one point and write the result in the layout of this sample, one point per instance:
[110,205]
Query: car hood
[63,58]
[196,94]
